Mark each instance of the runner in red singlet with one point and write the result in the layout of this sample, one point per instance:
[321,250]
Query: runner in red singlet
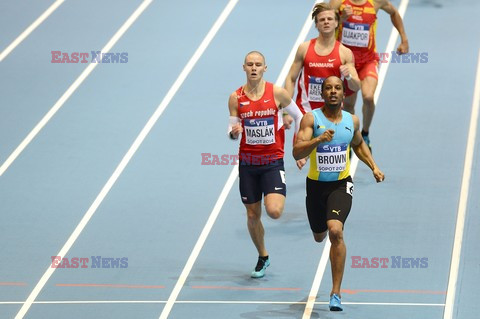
[317,59]
[256,113]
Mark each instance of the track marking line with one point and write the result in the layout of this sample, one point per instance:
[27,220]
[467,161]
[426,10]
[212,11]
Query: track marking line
[423,292]
[111,286]
[462,204]
[136,144]
[247,288]
[13,283]
[231,302]
[30,29]
[48,273]
[73,87]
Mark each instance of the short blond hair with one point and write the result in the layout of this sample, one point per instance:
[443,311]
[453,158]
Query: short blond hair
[255,52]
[320,7]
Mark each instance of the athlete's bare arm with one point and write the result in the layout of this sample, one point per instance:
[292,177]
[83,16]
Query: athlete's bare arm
[296,67]
[346,12]
[233,108]
[282,97]
[335,4]
[397,22]
[304,143]
[348,68]
[362,151]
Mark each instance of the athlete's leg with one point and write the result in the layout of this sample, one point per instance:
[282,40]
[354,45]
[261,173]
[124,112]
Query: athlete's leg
[316,210]
[255,227]
[369,84]
[338,253]
[273,185]
[274,204]
[319,237]
[349,103]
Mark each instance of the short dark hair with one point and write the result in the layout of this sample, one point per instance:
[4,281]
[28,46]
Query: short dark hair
[333,76]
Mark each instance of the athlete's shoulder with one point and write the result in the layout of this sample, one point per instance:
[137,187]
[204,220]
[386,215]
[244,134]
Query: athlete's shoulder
[356,121]
[303,47]
[308,119]
[235,94]
[380,4]
[343,48]
[317,112]
[233,103]
[345,54]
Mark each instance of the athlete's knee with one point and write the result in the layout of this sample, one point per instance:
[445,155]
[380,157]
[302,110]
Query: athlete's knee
[335,233]
[253,213]
[274,204]
[274,210]
[368,98]
[319,237]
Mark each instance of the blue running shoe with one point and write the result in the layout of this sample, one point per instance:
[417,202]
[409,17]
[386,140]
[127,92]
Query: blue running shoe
[259,271]
[335,303]
[367,141]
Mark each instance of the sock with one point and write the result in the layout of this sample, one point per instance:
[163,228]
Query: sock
[364,133]
[263,257]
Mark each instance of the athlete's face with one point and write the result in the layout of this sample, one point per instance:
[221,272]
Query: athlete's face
[326,22]
[254,66]
[332,91]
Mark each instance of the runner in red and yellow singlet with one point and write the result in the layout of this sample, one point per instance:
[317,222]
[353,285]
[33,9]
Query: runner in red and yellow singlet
[358,31]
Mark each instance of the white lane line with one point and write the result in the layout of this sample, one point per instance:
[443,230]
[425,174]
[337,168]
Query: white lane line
[172,299]
[353,167]
[402,8]
[73,87]
[307,25]
[48,273]
[30,29]
[132,150]
[221,199]
[462,205]
[246,302]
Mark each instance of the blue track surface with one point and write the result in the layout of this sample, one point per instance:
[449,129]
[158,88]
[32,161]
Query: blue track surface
[157,208]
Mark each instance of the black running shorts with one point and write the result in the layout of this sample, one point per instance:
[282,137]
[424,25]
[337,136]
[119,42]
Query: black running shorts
[256,180]
[328,200]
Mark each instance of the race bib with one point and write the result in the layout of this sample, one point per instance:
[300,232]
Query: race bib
[332,158]
[349,188]
[315,89]
[259,131]
[355,34]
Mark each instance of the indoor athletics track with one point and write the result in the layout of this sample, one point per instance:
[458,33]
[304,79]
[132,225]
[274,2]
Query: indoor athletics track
[104,160]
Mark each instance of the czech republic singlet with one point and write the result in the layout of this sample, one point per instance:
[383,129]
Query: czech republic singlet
[263,135]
